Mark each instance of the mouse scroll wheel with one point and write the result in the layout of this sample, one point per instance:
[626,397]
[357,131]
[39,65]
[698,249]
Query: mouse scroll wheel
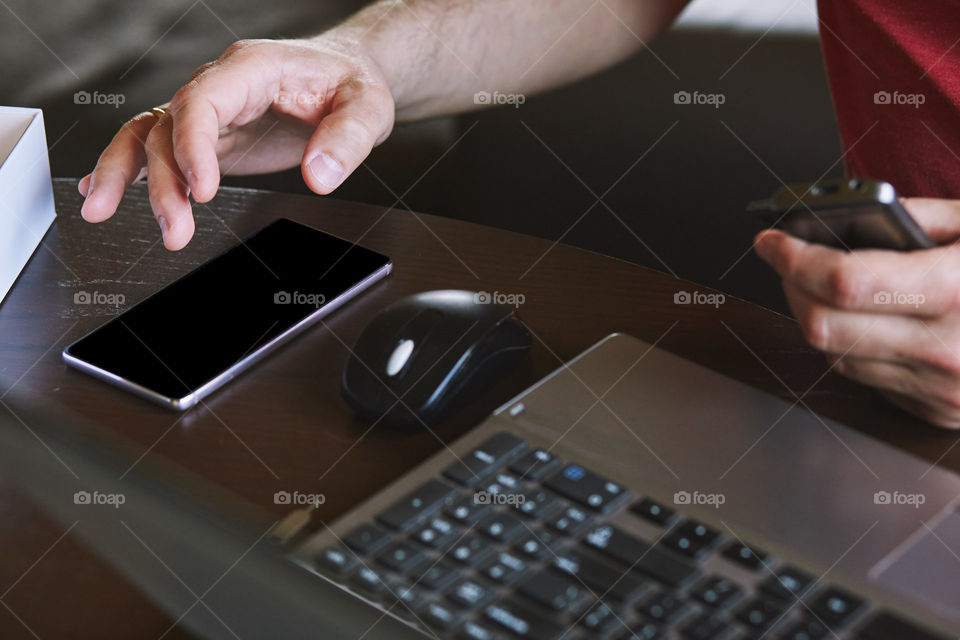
[399,357]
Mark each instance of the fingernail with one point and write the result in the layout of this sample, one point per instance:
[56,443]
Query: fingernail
[89,188]
[326,170]
[164,227]
[191,180]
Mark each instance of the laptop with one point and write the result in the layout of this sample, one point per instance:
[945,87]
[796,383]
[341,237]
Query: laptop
[630,494]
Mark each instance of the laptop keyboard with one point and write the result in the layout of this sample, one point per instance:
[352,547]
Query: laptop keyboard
[513,542]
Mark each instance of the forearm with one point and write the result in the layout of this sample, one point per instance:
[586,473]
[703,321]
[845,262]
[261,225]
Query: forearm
[436,54]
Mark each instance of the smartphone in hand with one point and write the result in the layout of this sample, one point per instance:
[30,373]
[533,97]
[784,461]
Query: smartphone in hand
[845,214]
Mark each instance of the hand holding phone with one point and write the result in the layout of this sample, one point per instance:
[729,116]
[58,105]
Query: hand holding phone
[845,214]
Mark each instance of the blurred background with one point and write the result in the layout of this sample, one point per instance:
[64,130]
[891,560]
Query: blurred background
[612,164]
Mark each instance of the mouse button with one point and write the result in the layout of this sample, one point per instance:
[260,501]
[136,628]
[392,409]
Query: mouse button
[407,342]
[418,328]
[420,324]
[399,357]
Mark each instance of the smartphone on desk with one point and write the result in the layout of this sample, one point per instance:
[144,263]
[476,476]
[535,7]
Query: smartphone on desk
[845,214]
[191,337]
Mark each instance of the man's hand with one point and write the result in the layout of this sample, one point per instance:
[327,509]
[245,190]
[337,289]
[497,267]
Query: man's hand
[324,103]
[885,318]
[262,106]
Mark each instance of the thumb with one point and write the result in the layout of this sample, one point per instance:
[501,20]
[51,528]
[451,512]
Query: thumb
[359,119]
[939,218]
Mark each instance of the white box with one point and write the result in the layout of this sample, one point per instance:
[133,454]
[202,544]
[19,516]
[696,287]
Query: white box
[26,193]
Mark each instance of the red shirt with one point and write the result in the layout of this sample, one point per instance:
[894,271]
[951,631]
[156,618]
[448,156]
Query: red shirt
[894,68]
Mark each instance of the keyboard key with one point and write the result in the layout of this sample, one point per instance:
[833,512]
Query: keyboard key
[601,619]
[471,550]
[408,599]
[788,584]
[745,556]
[806,630]
[367,539]
[605,579]
[467,510]
[662,607]
[707,626]
[401,557]
[485,459]
[540,504]
[504,483]
[523,622]
[438,533]
[691,538]
[369,581]
[571,521]
[505,568]
[336,562]
[654,512]
[417,504]
[760,613]
[439,616]
[586,488]
[887,626]
[634,552]
[476,631]
[552,590]
[535,464]
[537,544]
[470,593]
[502,527]
[643,631]
[716,592]
[439,576]
[835,606]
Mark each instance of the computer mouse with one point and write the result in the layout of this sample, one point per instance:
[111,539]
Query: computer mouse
[428,354]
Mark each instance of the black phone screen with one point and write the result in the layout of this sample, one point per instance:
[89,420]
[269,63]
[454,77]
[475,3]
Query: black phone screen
[217,315]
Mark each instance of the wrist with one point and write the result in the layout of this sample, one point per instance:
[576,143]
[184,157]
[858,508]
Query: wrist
[382,56]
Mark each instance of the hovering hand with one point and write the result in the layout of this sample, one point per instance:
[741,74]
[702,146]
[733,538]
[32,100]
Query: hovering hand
[263,106]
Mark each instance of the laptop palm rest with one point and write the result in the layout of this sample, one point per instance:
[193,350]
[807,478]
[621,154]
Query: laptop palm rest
[927,567]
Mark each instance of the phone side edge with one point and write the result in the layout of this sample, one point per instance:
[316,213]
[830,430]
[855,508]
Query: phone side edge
[128,385]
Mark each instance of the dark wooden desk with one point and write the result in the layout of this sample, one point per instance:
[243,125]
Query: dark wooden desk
[284,426]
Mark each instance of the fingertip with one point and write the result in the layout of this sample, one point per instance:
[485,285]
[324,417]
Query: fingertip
[766,241]
[202,190]
[84,185]
[769,235]
[94,208]
[174,243]
[176,236]
[323,173]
